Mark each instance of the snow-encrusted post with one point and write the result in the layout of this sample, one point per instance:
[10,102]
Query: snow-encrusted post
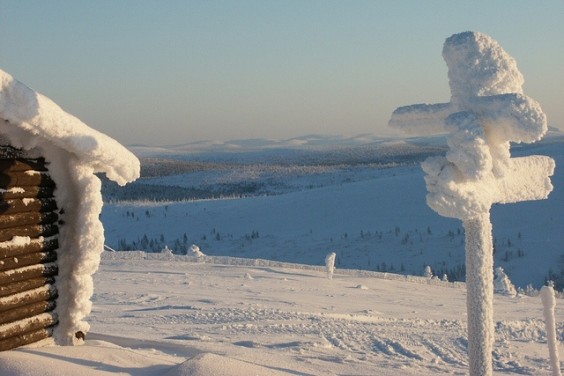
[487,111]
[330,264]
[549,303]
[479,292]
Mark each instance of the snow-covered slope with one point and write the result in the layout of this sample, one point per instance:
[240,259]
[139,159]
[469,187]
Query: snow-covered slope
[374,217]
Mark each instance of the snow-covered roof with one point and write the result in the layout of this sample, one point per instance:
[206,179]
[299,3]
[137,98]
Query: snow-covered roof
[74,153]
[31,115]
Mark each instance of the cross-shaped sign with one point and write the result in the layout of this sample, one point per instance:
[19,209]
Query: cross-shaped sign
[487,111]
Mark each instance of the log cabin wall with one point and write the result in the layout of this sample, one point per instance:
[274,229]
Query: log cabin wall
[28,244]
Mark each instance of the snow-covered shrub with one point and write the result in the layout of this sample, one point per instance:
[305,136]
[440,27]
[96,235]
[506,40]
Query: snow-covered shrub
[167,253]
[330,264]
[529,290]
[194,250]
[428,273]
[502,283]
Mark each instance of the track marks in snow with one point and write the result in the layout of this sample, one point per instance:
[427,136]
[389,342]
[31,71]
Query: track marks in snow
[447,355]
[363,338]
[393,348]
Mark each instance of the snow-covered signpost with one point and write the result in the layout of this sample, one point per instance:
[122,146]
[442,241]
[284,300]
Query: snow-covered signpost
[330,264]
[487,111]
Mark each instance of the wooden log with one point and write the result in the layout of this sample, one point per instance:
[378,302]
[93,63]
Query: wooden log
[35,245]
[27,325]
[25,338]
[25,285]
[26,260]
[29,310]
[33,231]
[27,272]
[43,293]
[20,164]
[25,178]
[11,206]
[27,192]
[24,219]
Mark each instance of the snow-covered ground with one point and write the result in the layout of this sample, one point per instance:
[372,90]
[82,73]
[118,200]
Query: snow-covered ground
[159,314]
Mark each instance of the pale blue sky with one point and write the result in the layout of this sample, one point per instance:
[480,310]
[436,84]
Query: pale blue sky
[170,72]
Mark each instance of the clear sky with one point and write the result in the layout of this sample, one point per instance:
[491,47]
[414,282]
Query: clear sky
[171,72]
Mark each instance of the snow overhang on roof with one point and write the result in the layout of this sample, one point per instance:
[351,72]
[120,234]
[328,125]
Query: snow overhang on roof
[34,119]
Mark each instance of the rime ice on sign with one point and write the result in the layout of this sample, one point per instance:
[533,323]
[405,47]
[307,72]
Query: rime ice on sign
[487,111]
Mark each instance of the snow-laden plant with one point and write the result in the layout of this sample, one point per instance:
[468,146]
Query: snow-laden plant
[427,272]
[167,253]
[487,111]
[502,283]
[330,264]
[549,303]
[194,250]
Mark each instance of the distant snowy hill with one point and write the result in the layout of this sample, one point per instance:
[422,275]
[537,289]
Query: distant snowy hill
[363,198]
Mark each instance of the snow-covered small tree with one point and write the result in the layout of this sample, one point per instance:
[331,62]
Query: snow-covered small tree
[502,283]
[166,253]
[194,250]
[427,272]
[330,264]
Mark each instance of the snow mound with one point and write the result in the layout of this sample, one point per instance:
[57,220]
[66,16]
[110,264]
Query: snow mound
[98,358]
[212,364]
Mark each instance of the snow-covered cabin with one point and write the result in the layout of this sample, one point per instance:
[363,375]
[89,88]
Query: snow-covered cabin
[51,236]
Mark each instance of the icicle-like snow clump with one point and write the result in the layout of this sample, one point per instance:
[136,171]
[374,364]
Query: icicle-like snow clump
[75,152]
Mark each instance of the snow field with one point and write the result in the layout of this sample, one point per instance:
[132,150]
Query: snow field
[304,323]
